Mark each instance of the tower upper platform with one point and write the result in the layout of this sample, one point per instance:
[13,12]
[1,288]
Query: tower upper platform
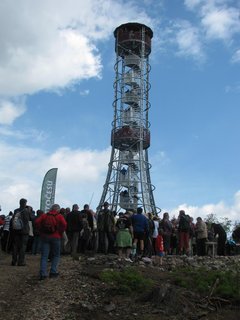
[133,38]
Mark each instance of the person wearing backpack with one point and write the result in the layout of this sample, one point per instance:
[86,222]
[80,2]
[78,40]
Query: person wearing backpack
[184,230]
[51,227]
[19,228]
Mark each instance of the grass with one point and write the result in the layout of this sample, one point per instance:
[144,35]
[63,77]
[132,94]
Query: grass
[128,280]
[203,280]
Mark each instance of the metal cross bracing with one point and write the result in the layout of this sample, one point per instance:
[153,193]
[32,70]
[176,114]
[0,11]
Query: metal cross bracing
[128,183]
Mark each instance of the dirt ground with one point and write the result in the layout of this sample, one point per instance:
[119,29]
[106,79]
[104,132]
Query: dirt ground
[80,294]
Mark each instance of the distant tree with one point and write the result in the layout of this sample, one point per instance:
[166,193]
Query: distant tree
[227,224]
[236,224]
[225,221]
[211,218]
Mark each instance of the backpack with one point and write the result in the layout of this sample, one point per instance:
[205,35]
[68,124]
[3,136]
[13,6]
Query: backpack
[49,223]
[184,223]
[17,221]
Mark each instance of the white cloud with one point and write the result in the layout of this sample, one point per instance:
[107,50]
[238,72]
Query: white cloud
[220,209]
[191,4]
[80,174]
[84,92]
[51,44]
[188,41]
[221,23]
[233,88]
[159,159]
[7,132]
[23,134]
[10,111]
[219,18]
[236,56]
[69,58]
[86,165]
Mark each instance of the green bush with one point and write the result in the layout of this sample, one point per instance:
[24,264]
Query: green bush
[126,281]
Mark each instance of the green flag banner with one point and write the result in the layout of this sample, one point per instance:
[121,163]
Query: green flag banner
[48,190]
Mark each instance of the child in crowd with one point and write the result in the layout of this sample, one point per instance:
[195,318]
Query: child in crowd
[159,247]
[124,236]
[85,236]
[133,254]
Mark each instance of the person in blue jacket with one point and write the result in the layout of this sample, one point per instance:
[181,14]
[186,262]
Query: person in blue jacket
[140,229]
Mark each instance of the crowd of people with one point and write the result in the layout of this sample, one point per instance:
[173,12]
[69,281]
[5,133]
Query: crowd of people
[130,234]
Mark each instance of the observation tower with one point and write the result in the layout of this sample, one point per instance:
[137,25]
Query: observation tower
[128,183]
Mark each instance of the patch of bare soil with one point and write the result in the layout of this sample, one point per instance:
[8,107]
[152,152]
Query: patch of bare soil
[80,294]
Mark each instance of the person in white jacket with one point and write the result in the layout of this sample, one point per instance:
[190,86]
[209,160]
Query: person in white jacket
[201,235]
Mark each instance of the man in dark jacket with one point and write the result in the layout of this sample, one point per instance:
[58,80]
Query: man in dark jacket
[219,231]
[106,229]
[74,226]
[20,235]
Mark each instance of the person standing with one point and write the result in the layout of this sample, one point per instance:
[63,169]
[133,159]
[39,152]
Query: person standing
[88,214]
[74,226]
[19,228]
[124,236]
[140,229]
[155,232]
[2,221]
[106,229]
[6,240]
[221,236]
[159,247]
[36,247]
[51,226]
[201,234]
[183,232]
[192,238]
[166,227]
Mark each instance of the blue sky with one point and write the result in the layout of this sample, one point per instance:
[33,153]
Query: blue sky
[56,93]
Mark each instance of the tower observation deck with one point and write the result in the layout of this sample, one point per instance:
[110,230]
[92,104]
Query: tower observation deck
[128,184]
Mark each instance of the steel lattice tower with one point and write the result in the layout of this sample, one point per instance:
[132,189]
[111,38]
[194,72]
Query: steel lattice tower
[128,183]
